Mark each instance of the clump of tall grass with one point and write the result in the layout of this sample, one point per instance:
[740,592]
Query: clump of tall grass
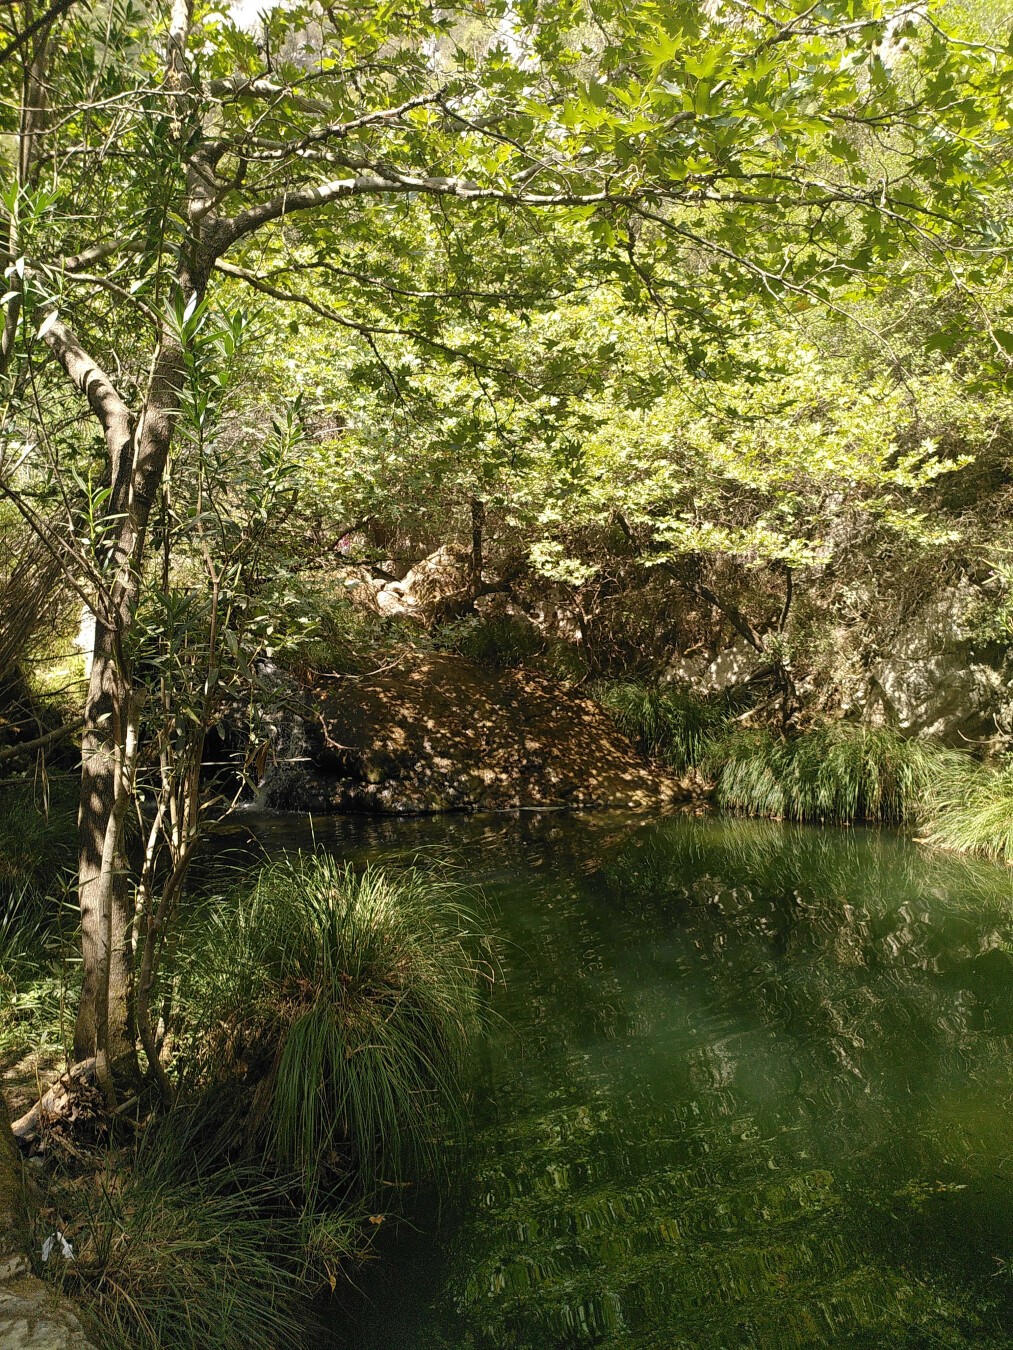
[840,772]
[670,724]
[970,809]
[37,837]
[34,975]
[349,1001]
[208,1264]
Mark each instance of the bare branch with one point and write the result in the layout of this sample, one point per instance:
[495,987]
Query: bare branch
[41,742]
[379,184]
[77,262]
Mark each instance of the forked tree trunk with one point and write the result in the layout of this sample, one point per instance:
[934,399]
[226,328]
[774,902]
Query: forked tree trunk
[105,1025]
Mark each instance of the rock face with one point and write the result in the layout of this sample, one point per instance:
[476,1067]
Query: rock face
[715,673]
[439,733]
[931,679]
[439,586]
[33,1317]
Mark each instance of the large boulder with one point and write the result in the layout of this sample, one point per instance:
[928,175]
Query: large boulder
[438,733]
[439,587]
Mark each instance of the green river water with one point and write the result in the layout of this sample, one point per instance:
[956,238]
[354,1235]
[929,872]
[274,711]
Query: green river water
[745,1085]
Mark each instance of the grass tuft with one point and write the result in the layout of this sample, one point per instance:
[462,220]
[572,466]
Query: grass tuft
[350,1001]
[970,809]
[837,773]
[669,724]
[191,1265]
[497,641]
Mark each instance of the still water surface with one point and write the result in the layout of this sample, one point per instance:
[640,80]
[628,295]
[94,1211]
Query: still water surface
[746,1085]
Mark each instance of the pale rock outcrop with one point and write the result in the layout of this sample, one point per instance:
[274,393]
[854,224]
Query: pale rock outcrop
[930,677]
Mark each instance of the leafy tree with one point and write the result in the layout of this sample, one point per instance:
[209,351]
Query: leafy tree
[773,152]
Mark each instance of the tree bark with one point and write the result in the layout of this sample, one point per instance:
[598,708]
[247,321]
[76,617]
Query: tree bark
[105,1023]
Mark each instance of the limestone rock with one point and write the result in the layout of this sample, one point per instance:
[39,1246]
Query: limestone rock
[930,678]
[33,1317]
[711,673]
[436,588]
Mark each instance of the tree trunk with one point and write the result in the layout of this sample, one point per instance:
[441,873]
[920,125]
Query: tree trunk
[477,532]
[105,1025]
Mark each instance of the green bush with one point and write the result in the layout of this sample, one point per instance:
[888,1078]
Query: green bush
[349,1001]
[970,809]
[840,772]
[670,724]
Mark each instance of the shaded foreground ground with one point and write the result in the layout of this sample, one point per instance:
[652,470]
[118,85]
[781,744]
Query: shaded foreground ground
[435,732]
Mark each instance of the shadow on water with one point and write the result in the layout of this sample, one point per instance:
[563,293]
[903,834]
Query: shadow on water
[748,1085]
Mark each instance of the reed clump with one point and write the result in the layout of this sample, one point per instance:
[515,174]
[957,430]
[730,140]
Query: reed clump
[347,1002]
[970,809]
[838,773]
[669,724]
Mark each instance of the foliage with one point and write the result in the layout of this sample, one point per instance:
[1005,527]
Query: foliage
[835,774]
[664,722]
[36,847]
[36,980]
[37,836]
[198,1264]
[970,809]
[350,999]
[500,641]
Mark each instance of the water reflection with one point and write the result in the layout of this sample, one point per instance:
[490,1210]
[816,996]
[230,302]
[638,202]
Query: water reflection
[751,1087]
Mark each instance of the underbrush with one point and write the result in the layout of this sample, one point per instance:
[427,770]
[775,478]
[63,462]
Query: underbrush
[840,773]
[342,638]
[38,835]
[970,809]
[323,1020]
[498,641]
[672,725]
[38,922]
[158,1261]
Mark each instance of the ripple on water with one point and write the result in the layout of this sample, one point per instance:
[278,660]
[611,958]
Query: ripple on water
[748,1085]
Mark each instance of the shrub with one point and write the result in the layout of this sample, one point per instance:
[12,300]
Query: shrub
[841,772]
[672,725]
[970,809]
[348,1000]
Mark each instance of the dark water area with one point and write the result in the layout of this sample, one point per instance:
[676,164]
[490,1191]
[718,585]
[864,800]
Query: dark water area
[745,1085]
